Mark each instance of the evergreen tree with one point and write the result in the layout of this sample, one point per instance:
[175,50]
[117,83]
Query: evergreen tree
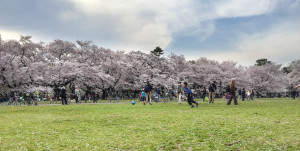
[261,62]
[158,51]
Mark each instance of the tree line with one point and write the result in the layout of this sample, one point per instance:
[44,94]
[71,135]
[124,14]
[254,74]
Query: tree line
[31,66]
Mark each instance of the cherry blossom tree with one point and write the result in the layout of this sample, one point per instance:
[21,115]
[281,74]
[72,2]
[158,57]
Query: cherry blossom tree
[267,78]
[294,75]
[26,65]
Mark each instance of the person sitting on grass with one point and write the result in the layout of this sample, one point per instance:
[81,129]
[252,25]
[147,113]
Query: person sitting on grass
[188,92]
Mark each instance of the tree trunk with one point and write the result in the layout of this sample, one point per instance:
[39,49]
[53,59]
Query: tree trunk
[103,94]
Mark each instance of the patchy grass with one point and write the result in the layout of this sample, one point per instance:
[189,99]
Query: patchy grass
[252,125]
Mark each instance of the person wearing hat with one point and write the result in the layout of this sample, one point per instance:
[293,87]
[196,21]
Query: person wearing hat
[188,92]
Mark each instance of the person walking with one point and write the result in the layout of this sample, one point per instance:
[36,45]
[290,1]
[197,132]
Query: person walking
[158,94]
[212,89]
[147,90]
[27,98]
[95,97]
[243,93]
[78,97]
[63,95]
[187,91]
[240,94]
[36,98]
[11,98]
[252,94]
[232,90]
[143,97]
[293,92]
[248,95]
[179,92]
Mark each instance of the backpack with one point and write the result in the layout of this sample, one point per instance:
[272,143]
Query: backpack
[147,89]
[143,94]
[227,88]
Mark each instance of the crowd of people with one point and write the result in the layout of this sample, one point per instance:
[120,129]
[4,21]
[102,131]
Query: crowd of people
[21,98]
[185,93]
[182,92]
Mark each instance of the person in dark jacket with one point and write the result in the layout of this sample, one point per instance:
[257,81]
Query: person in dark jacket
[11,98]
[147,90]
[232,92]
[27,98]
[158,94]
[243,93]
[95,97]
[240,94]
[187,91]
[212,89]
[63,95]
[294,92]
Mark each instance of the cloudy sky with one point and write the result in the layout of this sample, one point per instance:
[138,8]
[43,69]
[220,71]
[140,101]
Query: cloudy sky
[238,30]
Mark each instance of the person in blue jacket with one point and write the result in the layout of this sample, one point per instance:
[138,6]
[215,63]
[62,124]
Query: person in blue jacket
[188,92]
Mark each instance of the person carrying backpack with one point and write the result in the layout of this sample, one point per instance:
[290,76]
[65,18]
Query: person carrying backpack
[232,89]
[212,89]
[147,90]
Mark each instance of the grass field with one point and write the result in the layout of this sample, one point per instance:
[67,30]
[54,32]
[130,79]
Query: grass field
[252,125]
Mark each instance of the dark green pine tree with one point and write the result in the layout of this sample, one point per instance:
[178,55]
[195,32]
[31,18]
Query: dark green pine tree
[158,51]
[261,62]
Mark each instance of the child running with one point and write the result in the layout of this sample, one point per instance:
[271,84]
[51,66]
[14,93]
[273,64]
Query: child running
[143,97]
[190,99]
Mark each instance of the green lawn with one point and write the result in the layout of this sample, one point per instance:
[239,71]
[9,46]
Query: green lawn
[252,125]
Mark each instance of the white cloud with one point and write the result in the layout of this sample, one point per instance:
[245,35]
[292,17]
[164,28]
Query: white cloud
[143,25]
[15,35]
[9,35]
[279,44]
[243,8]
